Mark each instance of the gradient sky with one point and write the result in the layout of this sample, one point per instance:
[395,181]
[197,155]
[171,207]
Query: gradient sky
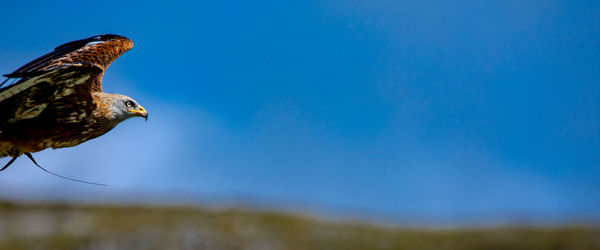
[429,109]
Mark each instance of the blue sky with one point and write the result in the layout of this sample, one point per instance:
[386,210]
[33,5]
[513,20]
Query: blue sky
[434,109]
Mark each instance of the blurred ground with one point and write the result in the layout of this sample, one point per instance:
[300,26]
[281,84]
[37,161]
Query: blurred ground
[61,226]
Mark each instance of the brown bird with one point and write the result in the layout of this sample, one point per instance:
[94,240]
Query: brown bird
[57,101]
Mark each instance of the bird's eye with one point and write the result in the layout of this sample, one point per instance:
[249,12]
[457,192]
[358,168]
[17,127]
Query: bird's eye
[129,104]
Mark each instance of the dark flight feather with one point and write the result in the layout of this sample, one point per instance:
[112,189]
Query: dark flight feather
[44,61]
[98,50]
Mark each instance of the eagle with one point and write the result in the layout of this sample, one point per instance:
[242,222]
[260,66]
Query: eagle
[56,100]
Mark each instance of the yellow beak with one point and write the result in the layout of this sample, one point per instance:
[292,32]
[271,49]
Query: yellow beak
[140,111]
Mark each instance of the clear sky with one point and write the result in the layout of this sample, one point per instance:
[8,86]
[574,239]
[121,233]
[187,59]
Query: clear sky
[430,109]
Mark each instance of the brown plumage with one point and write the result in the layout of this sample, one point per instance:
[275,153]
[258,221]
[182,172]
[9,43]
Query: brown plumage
[57,100]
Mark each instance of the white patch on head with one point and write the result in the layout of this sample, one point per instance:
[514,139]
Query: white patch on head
[118,108]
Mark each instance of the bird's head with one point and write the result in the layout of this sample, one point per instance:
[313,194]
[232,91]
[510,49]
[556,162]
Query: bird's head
[123,107]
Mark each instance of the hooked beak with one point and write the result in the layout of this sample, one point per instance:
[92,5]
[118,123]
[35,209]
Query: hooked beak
[140,111]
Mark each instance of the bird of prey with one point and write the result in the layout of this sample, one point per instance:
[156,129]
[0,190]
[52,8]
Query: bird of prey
[57,101]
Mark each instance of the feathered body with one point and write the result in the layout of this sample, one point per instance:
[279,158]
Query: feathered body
[58,100]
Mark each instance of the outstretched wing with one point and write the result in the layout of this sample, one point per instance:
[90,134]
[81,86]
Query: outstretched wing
[98,51]
[58,86]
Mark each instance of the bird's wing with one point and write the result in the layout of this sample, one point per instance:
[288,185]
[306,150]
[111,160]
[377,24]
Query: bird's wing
[59,85]
[98,51]
[61,95]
